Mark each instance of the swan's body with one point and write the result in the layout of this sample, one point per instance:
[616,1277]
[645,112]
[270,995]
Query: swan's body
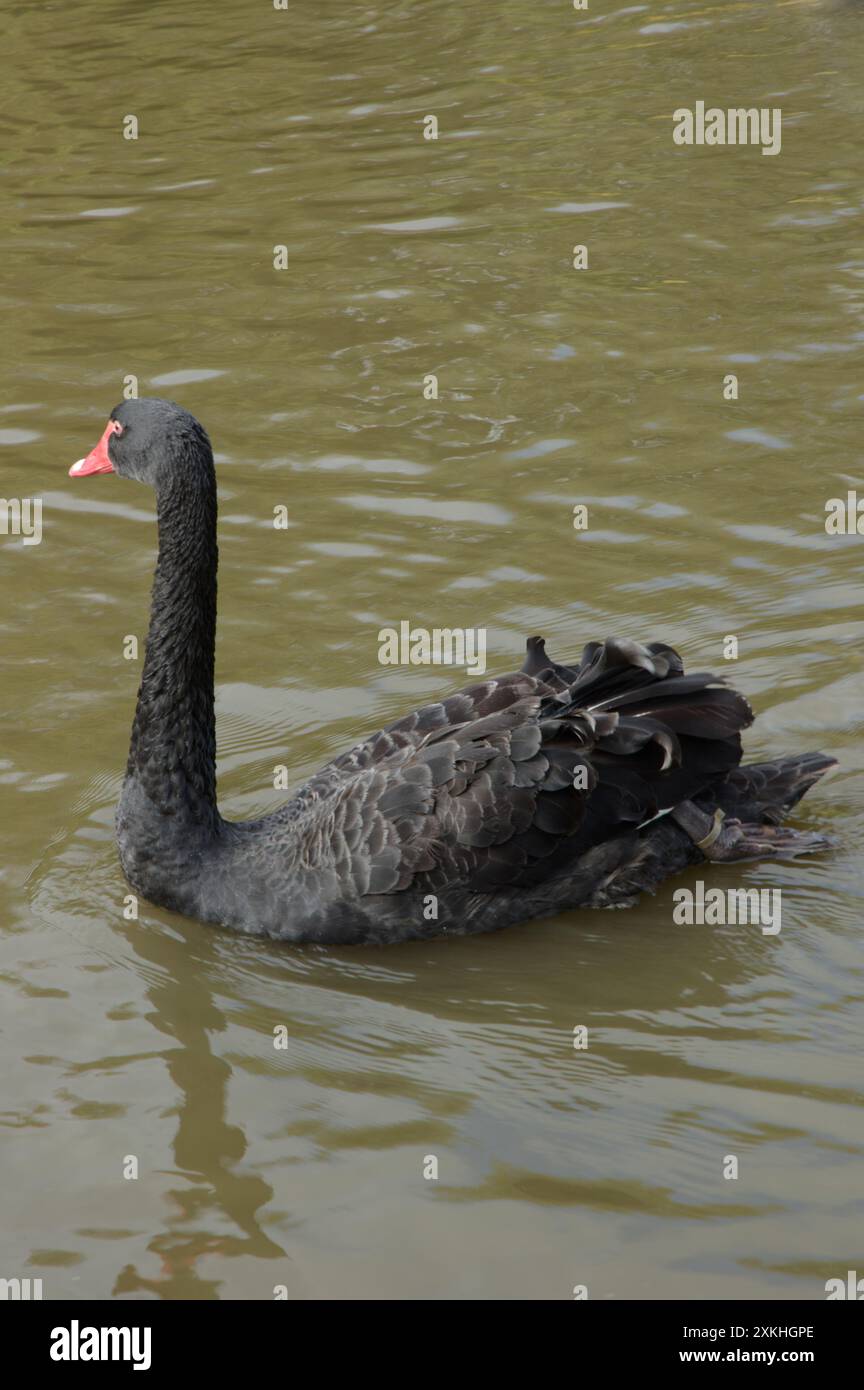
[552,788]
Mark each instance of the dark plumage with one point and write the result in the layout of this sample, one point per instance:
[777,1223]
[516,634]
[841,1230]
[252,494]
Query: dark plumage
[557,786]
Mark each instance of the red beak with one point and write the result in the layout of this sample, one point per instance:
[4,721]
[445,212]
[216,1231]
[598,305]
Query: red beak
[97,461]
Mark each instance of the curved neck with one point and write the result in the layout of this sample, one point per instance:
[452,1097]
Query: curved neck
[172,756]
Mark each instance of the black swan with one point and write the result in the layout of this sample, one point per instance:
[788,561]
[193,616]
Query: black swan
[551,788]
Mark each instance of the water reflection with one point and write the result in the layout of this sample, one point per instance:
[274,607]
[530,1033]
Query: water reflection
[207,1148]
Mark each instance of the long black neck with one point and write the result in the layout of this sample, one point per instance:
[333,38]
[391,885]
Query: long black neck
[172,756]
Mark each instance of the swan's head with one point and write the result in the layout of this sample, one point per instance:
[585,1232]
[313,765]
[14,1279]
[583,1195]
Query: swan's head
[150,440]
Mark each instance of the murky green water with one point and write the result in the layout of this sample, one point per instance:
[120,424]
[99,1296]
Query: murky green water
[153,257]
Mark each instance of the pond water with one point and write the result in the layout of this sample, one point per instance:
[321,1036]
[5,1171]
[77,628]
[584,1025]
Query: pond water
[303,1166]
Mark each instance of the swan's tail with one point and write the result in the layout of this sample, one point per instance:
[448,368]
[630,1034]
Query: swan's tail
[766,792]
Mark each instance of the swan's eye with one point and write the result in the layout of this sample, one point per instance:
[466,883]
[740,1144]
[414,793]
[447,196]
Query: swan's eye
[116,427]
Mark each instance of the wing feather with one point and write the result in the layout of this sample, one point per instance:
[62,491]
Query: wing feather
[517,777]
